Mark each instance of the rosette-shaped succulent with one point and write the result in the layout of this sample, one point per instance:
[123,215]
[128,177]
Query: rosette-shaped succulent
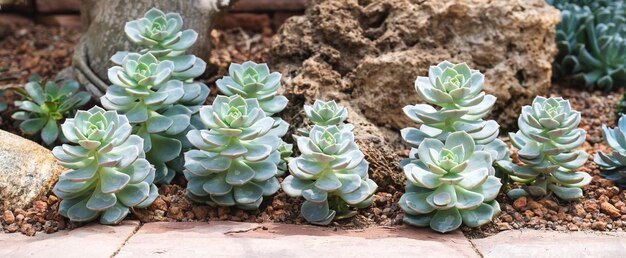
[457,90]
[614,165]
[108,172]
[331,175]
[252,80]
[547,139]
[327,113]
[161,33]
[236,160]
[285,150]
[143,91]
[572,23]
[44,108]
[450,184]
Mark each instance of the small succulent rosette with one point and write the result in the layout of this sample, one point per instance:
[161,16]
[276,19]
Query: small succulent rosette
[331,175]
[458,92]
[46,106]
[252,80]
[108,171]
[326,113]
[451,184]
[547,143]
[613,165]
[235,161]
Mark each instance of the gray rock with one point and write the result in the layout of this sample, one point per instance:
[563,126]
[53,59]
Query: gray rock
[27,171]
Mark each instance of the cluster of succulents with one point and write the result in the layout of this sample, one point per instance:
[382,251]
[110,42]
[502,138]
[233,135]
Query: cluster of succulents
[255,81]
[235,161]
[331,173]
[45,107]
[155,89]
[443,191]
[591,39]
[108,171]
[451,183]
[458,92]
[613,165]
[547,139]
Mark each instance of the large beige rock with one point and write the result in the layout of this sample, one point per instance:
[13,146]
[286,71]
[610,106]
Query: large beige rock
[369,52]
[27,170]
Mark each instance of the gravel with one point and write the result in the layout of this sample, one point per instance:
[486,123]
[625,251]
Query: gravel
[47,50]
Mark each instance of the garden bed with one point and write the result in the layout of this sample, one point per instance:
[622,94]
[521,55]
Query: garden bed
[47,50]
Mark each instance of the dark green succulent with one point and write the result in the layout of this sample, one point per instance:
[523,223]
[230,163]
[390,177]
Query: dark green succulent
[44,108]
[591,43]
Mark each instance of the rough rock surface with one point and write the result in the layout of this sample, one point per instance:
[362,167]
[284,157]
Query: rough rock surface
[369,52]
[27,171]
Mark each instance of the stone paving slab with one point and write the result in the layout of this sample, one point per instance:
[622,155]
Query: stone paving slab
[91,241]
[229,239]
[537,244]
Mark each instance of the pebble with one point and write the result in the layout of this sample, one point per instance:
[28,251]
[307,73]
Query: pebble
[8,217]
[609,209]
[520,203]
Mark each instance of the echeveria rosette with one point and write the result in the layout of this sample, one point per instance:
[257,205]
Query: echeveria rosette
[326,113]
[331,175]
[614,165]
[45,107]
[567,39]
[108,171]
[457,90]
[143,91]
[450,184]
[160,33]
[235,161]
[547,139]
[252,80]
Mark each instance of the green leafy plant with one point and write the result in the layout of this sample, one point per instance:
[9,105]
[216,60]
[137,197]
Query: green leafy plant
[614,165]
[44,108]
[458,92]
[591,43]
[331,172]
[255,81]
[331,175]
[547,140]
[252,80]
[450,184]
[236,159]
[108,171]
[156,91]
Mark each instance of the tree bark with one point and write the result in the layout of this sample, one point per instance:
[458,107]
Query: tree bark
[103,24]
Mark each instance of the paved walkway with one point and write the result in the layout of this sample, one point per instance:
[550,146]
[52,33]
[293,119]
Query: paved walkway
[229,239]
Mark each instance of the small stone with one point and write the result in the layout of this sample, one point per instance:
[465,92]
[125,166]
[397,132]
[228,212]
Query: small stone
[504,226]
[533,205]
[27,229]
[608,209]
[579,210]
[599,225]
[550,204]
[572,227]
[590,205]
[12,228]
[175,213]
[19,218]
[8,217]
[200,212]
[520,203]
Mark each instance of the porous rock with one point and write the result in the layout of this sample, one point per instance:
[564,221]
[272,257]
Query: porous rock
[369,52]
[27,171]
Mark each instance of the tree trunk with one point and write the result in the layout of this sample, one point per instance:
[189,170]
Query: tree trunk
[103,24]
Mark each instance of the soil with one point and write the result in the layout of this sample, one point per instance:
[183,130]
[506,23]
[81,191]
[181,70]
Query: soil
[603,207]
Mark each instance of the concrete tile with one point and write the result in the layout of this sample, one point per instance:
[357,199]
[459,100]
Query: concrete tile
[91,241]
[537,244]
[229,239]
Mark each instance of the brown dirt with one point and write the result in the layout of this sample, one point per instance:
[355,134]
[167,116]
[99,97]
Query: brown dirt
[603,208]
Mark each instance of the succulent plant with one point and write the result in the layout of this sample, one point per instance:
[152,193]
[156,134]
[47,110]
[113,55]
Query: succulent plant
[331,175]
[547,139]
[591,42]
[614,165]
[457,90]
[45,107]
[285,150]
[161,33]
[252,80]
[143,91]
[327,113]
[450,184]
[108,170]
[235,160]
